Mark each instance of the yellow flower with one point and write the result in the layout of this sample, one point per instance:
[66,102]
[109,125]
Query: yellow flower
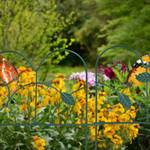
[23,107]
[133,130]
[132,112]
[102,144]
[33,113]
[109,131]
[77,108]
[116,139]
[32,104]
[21,69]
[3,95]
[124,117]
[92,133]
[146,58]
[118,108]
[127,91]
[59,83]
[112,117]
[13,86]
[27,76]
[102,93]
[39,143]
[45,102]
[101,98]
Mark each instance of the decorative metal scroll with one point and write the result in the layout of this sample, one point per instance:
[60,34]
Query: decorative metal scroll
[67,98]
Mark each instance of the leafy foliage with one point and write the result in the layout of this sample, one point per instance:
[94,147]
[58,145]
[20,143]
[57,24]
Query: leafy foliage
[103,23]
[124,27]
[33,28]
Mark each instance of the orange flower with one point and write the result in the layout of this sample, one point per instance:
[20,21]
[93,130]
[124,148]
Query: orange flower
[23,107]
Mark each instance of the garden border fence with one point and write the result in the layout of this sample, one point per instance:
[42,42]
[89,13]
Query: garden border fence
[86,124]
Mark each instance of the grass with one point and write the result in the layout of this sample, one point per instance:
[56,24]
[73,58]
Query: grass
[66,70]
[58,69]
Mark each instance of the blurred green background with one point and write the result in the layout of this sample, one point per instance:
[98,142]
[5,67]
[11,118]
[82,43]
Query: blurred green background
[36,27]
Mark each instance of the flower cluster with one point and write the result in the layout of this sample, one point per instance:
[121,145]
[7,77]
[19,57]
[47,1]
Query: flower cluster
[3,93]
[41,97]
[4,90]
[106,113]
[39,143]
[28,92]
[81,76]
[33,98]
[108,73]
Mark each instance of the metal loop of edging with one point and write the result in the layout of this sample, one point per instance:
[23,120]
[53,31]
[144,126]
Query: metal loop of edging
[36,83]
[96,80]
[86,84]
[47,56]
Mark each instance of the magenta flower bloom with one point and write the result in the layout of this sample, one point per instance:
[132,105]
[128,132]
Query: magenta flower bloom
[109,73]
[123,68]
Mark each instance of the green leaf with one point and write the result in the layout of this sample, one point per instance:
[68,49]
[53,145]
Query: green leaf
[125,101]
[67,98]
[143,77]
[118,74]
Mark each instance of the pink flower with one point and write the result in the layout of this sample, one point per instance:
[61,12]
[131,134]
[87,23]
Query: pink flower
[108,72]
[82,76]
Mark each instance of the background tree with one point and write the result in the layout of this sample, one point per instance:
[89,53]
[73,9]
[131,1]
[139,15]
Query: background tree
[36,27]
[103,23]
[33,27]
[127,23]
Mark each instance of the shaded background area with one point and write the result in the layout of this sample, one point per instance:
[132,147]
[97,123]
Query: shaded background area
[85,26]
